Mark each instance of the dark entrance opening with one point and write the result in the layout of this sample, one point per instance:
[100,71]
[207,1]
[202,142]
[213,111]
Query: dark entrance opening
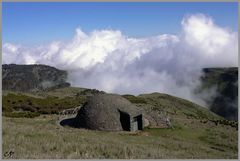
[140,123]
[125,120]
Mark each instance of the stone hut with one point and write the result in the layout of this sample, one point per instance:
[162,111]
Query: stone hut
[109,112]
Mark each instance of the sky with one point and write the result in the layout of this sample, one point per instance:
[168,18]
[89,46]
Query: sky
[125,48]
[41,23]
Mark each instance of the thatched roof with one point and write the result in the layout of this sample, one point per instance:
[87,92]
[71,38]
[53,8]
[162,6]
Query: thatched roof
[102,112]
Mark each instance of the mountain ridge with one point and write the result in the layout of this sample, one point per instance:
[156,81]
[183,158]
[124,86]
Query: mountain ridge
[32,77]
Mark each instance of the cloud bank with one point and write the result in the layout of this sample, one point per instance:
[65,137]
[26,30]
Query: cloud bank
[113,62]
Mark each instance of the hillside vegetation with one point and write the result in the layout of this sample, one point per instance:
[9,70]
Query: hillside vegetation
[42,138]
[31,129]
[225,100]
[32,77]
[20,104]
[192,125]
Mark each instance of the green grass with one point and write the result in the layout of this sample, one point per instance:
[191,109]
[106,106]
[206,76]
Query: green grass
[196,132]
[43,138]
[134,99]
[217,139]
[21,114]
[46,105]
[177,107]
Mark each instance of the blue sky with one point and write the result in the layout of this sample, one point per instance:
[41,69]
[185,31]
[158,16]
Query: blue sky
[40,23]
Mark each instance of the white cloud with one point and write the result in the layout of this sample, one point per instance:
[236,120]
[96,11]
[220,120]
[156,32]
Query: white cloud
[110,61]
[201,32]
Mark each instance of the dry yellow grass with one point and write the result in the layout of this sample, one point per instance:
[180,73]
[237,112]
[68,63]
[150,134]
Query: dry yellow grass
[43,138]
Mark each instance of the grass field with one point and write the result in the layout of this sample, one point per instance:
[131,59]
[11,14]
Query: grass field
[31,130]
[43,138]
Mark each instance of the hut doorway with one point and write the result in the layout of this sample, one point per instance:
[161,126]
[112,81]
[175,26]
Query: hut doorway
[134,124]
[137,123]
[125,120]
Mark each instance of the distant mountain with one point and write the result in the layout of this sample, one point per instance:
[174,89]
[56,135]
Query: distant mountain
[225,80]
[32,77]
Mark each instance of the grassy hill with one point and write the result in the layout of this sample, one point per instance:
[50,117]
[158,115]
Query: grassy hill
[18,104]
[42,137]
[31,128]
